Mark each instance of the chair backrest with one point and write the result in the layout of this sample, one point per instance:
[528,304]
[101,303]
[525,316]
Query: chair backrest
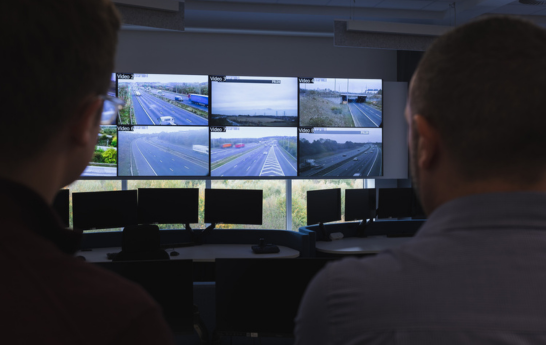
[170,283]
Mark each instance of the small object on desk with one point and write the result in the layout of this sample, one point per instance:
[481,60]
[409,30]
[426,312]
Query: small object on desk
[336,236]
[263,248]
[80,257]
[174,253]
[86,250]
[111,256]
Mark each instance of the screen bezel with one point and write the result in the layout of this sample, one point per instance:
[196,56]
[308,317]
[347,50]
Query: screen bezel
[222,178]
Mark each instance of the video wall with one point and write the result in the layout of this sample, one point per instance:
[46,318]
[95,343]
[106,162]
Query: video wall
[195,126]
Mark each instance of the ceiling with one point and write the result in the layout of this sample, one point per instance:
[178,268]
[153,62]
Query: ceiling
[315,17]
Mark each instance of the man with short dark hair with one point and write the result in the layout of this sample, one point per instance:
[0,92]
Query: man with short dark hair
[57,60]
[474,273]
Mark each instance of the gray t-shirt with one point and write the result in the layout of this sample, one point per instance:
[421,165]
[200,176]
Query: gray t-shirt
[474,274]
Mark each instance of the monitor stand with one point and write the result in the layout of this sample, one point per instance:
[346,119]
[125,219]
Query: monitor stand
[199,239]
[324,232]
[361,230]
[184,244]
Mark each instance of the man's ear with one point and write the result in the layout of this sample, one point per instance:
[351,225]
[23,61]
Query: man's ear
[86,122]
[428,142]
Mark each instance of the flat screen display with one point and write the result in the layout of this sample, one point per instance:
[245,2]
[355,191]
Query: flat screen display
[340,152]
[254,101]
[323,206]
[233,206]
[104,210]
[359,204]
[163,99]
[164,151]
[338,102]
[61,205]
[168,205]
[220,126]
[395,202]
[254,151]
[104,162]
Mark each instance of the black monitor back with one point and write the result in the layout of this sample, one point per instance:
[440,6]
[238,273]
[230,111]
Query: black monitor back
[323,206]
[395,202]
[103,210]
[261,296]
[359,204]
[170,283]
[168,205]
[233,206]
[61,205]
[417,211]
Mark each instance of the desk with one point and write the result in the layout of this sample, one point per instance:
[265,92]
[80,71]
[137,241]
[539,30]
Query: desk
[357,245]
[202,253]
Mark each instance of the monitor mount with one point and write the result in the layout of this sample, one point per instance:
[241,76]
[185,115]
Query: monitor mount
[198,239]
[361,230]
[325,234]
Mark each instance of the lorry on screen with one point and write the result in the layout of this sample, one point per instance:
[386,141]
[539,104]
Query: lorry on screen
[239,146]
[199,99]
[225,146]
[201,148]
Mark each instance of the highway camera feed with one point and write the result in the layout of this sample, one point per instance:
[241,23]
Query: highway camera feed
[163,99]
[246,151]
[328,102]
[341,152]
[254,101]
[105,158]
[164,151]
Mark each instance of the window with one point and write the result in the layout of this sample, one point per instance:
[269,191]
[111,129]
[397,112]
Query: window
[299,196]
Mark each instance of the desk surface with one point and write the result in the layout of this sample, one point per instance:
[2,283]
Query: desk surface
[202,253]
[357,245]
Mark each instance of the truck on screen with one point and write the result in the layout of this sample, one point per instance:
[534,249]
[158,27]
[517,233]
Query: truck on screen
[199,99]
[201,148]
[239,146]
[225,146]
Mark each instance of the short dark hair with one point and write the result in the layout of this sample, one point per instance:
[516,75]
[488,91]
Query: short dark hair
[55,53]
[482,86]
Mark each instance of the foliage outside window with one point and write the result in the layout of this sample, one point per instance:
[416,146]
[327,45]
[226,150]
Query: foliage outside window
[299,196]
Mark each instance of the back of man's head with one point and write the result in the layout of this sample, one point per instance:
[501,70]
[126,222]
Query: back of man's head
[481,86]
[55,53]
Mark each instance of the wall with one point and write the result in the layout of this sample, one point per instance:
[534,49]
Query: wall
[268,55]
[260,55]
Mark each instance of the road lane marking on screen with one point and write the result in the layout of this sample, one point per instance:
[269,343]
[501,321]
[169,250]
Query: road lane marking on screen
[366,115]
[271,166]
[136,144]
[376,154]
[145,111]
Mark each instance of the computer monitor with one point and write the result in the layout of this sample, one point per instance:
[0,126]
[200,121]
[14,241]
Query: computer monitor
[168,205]
[61,205]
[103,210]
[417,211]
[169,283]
[359,204]
[261,296]
[395,203]
[233,206]
[323,206]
